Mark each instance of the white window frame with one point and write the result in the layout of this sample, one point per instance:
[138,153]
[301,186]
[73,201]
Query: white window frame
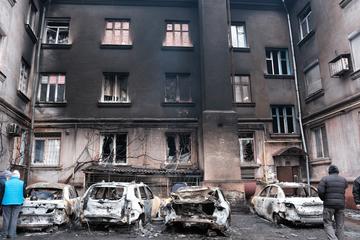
[46,151]
[283,107]
[102,136]
[271,58]
[24,81]
[356,61]
[241,86]
[118,77]
[319,130]
[241,139]
[58,28]
[172,30]
[305,18]
[122,29]
[235,30]
[48,88]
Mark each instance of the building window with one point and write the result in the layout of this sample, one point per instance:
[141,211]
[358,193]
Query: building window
[177,88]
[241,88]
[52,88]
[114,148]
[24,77]
[305,22]
[178,147]
[277,61]
[313,79]
[283,118]
[177,35]
[115,87]
[20,148]
[117,32]
[57,32]
[355,50]
[46,151]
[31,17]
[321,144]
[246,141]
[238,36]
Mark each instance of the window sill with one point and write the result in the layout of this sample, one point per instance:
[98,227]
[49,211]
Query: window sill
[306,38]
[276,76]
[177,48]
[319,93]
[355,75]
[245,104]
[178,104]
[284,135]
[240,49]
[23,96]
[344,3]
[114,104]
[51,168]
[320,161]
[249,165]
[2,77]
[55,46]
[46,104]
[115,46]
[31,33]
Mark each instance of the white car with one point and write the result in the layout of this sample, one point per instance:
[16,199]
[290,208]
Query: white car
[290,202]
[49,204]
[118,203]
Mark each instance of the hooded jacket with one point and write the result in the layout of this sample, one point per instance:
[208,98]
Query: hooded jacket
[332,191]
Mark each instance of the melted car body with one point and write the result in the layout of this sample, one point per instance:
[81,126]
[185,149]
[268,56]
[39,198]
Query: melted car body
[294,202]
[49,204]
[118,203]
[199,206]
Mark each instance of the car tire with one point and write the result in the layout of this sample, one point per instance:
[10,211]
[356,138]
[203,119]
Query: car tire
[277,220]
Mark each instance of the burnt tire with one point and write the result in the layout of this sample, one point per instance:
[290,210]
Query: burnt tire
[277,220]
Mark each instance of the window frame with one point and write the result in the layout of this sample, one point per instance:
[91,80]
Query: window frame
[307,70]
[113,162]
[177,145]
[304,17]
[178,77]
[285,116]
[46,138]
[117,77]
[242,159]
[173,23]
[57,20]
[48,88]
[355,64]
[236,25]
[21,78]
[32,15]
[279,60]
[241,85]
[324,150]
[129,41]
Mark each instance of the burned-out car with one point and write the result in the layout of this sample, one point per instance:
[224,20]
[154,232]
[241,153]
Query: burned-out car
[119,203]
[198,206]
[49,204]
[292,202]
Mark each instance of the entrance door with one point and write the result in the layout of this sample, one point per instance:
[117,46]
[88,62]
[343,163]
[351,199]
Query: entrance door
[288,174]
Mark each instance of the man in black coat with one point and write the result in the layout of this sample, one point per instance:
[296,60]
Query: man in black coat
[332,191]
[356,192]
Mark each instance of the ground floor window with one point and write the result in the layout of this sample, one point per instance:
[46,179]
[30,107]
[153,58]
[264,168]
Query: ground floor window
[46,151]
[246,142]
[178,147]
[114,148]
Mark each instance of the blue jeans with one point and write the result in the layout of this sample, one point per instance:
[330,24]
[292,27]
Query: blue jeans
[10,218]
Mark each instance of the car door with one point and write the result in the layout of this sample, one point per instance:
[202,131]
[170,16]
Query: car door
[146,202]
[259,201]
[270,202]
[155,202]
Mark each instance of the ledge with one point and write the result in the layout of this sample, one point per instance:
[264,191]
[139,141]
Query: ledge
[114,104]
[320,161]
[344,3]
[49,168]
[177,48]
[355,75]
[274,76]
[23,96]
[284,135]
[55,46]
[315,95]
[178,104]
[31,33]
[249,165]
[115,46]
[46,104]
[240,49]
[246,104]
[2,77]
[306,38]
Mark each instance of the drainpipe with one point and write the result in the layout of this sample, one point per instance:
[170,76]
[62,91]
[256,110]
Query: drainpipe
[297,94]
[35,87]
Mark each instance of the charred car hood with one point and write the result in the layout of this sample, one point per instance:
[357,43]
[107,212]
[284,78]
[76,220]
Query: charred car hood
[193,195]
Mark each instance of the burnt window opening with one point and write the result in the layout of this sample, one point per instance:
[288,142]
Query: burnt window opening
[115,87]
[36,194]
[110,193]
[177,88]
[114,148]
[179,147]
[246,141]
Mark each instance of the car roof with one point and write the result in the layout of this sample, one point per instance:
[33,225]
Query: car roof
[48,185]
[116,184]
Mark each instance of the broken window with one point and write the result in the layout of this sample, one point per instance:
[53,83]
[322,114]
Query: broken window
[36,194]
[299,192]
[46,151]
[110,193]
[273,192]
[178,147]
[117,32]
[149,193]
[283,119]
[321,144]
[241,88]
[52,88]
[142,193]
[264,192]
[114,148]
[238,36]
[246,141]
[305,22]
[24,77]
[115,87]
[57,31]
[177,88]
[20,148]
[277,62]
[177,35]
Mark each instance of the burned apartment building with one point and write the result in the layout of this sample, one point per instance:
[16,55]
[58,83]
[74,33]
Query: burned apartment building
[327,50]
[19,34]
[196,91]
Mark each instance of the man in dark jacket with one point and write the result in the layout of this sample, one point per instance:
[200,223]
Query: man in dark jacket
[356,192]
[332,191]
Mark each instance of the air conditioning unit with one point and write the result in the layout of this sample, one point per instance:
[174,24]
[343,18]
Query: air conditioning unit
[13,129]
[340,65]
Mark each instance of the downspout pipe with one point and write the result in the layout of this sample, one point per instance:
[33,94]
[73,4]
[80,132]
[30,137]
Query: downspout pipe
[35,86]
[297,94]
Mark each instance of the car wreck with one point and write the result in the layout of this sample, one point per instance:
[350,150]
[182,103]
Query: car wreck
[47,205]
[119,203]
[198,206]
[297,203]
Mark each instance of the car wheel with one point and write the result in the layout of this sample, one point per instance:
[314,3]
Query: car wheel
[277,219]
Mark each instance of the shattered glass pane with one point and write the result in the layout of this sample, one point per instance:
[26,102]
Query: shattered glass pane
[51,35]
[108,148]
[121,147]
[36,194]
[171,148]
[184,147]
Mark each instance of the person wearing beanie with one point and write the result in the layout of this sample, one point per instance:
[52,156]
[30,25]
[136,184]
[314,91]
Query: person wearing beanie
[332,191]
[12,201]
[356,192]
